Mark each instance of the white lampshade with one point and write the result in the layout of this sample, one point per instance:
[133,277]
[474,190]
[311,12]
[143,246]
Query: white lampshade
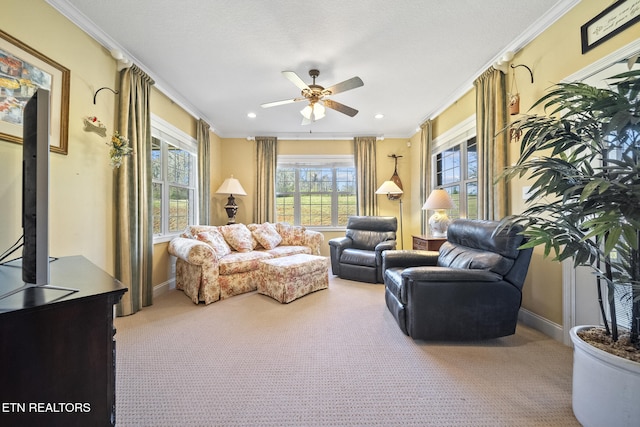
[231,186]
[439,200]
[389,187]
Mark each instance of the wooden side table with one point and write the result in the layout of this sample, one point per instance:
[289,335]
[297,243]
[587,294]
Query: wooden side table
[427,243]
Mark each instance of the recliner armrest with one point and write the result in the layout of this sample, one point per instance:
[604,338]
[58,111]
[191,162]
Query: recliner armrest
[385,245]
[341,242]
[446,274]
[408,258]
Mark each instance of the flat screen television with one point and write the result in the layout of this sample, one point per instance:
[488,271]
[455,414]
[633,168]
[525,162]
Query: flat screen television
[35,259]
[35,189]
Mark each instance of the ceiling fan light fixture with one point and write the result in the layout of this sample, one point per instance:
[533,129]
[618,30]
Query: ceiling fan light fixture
[313,112]
[318,111]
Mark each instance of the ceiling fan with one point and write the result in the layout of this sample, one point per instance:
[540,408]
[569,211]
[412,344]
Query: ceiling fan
[316,95]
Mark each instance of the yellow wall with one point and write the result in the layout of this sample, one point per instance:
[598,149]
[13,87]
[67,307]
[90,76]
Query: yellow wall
[552,56]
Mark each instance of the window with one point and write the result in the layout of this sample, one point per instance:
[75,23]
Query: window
[315,191]
[174,179]
[455,161]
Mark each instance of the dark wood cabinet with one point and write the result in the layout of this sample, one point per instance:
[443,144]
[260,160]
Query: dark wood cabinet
[57,360]
[427,243]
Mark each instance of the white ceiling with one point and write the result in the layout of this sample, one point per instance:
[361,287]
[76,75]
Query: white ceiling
[221,59]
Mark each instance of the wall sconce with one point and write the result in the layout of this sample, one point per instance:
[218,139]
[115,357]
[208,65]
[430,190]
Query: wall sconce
[439,200]
[393,192]
[231,186]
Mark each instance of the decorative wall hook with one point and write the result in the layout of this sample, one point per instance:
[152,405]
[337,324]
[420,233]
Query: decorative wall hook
[522,65]
[95,94]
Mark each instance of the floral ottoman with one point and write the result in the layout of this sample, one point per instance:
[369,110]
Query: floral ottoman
[287,278]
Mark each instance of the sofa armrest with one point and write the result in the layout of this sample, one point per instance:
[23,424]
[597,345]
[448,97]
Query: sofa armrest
[192,251]
[313,239]
[408,258]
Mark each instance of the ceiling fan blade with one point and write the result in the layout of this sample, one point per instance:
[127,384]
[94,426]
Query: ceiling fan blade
[283,102]
[293,77]
[352,83]
[340,107]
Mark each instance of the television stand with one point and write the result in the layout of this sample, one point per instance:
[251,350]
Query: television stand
[58,349]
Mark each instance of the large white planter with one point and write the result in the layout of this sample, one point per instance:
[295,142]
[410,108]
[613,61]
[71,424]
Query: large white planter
[606,388]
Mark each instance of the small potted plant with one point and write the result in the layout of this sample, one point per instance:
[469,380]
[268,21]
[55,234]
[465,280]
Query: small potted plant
[583,162]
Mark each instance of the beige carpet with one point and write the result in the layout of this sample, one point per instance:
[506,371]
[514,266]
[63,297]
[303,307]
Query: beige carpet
[333,358]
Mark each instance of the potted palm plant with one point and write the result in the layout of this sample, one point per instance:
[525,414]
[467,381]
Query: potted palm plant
[583,160]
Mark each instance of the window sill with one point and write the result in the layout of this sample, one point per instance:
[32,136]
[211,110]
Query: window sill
[164,238]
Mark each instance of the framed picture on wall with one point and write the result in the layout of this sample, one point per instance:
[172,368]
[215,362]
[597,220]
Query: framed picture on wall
[22,71]
[611,21]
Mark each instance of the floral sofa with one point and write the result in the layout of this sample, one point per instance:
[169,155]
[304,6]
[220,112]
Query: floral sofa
[217,262]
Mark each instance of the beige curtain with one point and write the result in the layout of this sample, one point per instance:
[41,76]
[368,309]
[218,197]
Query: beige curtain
[364,149]
[265,204]
[426,138]
[132,193]
[204,172]
[491,119]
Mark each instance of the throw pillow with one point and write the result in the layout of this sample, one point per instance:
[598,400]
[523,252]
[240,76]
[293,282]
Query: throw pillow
[214,239]
[238,237]
[292,235]
[267,235]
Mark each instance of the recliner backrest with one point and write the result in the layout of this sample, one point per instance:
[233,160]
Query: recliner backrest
[472,244]
[367,231]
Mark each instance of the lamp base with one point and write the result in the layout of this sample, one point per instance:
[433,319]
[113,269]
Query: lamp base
[439,223]
[231,209]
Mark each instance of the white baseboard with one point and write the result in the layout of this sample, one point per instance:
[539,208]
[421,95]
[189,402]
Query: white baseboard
[164,287]
[541,324]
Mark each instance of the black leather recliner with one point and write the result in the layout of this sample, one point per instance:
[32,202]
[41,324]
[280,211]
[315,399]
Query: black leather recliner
[469,290]
[358,255]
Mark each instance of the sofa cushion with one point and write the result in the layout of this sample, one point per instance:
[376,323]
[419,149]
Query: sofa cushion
[282,250]
[238,237]
[241,262]
[267,235]
[192,230]
[292,235]
[214,239]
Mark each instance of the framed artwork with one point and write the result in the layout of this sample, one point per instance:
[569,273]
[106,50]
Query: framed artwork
[22,71]
[611,21]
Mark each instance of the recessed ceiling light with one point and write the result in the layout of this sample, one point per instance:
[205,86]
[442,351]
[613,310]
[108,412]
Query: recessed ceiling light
[251,115]
[379,116]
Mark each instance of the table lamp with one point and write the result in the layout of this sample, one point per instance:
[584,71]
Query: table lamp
[231,186]
[439,200]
